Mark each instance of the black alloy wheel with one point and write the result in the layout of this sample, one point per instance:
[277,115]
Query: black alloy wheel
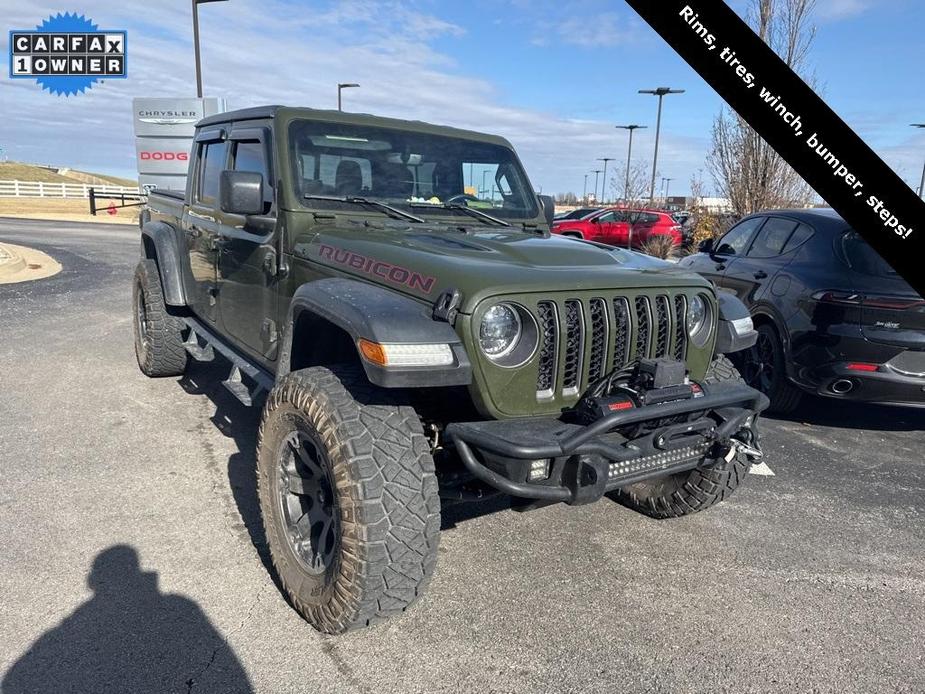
[763,368]
[307,502]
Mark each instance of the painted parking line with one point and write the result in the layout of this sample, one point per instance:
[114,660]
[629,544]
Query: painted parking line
[761,469]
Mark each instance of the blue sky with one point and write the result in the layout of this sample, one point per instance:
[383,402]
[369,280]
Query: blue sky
[554,76]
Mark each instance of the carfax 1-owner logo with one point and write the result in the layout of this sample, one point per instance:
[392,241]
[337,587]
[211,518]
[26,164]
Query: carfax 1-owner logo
[67,53]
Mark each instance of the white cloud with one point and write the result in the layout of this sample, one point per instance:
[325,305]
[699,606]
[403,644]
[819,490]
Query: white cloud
[278,52]
[841,9]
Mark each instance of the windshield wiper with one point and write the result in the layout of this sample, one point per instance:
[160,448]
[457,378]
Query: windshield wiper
[393,212]
[478,214]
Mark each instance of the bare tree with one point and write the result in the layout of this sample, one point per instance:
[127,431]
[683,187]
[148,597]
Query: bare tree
[744,167]
[639,179]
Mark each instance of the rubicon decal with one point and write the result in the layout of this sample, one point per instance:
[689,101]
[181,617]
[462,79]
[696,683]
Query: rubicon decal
[378,268]
[67,54]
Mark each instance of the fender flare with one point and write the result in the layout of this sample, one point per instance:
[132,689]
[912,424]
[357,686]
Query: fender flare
[733,333]
[166,243]
[380,315]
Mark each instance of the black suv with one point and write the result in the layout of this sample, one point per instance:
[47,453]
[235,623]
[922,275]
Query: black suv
[833,317]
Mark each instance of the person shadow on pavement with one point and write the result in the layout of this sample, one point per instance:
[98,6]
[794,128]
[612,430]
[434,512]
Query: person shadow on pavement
[129,637]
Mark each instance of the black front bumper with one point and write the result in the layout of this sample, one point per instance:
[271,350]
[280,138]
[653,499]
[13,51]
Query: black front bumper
[587,461]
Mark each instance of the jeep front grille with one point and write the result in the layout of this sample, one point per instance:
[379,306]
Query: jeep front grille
[582,340]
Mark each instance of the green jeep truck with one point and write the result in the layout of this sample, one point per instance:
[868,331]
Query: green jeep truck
[390,292]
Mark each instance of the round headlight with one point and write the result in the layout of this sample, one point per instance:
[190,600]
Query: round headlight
[499,331]
[698,321]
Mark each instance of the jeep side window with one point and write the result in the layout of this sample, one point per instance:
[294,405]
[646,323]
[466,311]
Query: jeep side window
[250,155]
[211,164]
[736,239]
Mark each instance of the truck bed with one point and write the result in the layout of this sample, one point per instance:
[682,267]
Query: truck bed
[166,205]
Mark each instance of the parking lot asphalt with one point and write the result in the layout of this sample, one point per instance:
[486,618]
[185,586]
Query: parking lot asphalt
[132,557]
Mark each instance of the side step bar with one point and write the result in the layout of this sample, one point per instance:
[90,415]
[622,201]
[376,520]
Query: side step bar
[241,367]
[197,351]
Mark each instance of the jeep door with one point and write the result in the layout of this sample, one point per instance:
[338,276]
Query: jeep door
[199,222]
[247,256]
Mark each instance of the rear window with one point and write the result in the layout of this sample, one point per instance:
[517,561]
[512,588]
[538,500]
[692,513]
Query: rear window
[864,259]
[802,234]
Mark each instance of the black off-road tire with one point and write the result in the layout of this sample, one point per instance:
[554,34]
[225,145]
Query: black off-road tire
[369,450]
[764,368]
[694,490]
[158,335]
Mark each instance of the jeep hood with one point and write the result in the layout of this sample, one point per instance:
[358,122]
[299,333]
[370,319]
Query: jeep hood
[424,260]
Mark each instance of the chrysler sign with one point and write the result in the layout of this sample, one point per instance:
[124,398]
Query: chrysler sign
[164,130]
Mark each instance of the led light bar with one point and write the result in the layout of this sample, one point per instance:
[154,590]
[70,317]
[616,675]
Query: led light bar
[663,459]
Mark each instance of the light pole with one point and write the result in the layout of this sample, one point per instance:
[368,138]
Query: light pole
[584,194]
[661,92]
[629,159]
[340,87]
[604,184]
[196,4]
[667,183]
[597,179]
[922,184]
[483,189]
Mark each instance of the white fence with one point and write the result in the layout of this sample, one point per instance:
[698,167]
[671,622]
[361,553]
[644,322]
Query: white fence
[38,189]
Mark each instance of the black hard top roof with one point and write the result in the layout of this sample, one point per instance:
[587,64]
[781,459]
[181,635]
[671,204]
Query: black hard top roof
[262,112]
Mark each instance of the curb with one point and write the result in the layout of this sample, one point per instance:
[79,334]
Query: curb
[11,262]
[21,264]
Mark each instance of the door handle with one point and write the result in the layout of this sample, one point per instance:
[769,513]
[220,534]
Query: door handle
[720,267]
[218,242]
[760,275]
[194,232]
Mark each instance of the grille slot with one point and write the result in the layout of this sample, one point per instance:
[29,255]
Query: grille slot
[643,325]
[621,328]
[549,340]
[598,359]
[680,327]
[663,326]
[574,346]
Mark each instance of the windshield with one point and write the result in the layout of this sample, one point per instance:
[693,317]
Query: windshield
[406,169]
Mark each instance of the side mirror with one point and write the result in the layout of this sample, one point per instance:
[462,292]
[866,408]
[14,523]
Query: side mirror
[240,192]
[705,246]
[548,203]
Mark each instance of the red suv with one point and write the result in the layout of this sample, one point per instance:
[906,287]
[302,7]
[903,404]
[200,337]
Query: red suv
[612,226]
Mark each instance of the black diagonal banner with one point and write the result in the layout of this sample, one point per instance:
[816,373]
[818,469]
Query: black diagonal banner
[789,115]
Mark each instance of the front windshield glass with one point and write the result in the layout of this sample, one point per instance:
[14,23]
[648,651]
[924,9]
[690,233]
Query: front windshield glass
[407,170]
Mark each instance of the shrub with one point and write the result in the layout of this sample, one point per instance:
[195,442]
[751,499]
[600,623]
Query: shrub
[660,246]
